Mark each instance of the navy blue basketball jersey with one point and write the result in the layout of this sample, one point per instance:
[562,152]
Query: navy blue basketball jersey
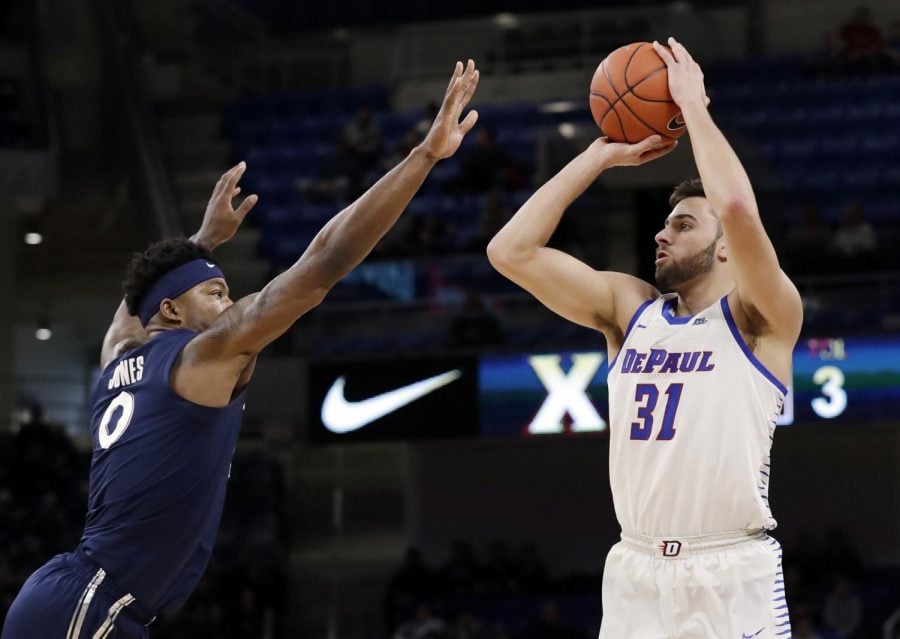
[158,475]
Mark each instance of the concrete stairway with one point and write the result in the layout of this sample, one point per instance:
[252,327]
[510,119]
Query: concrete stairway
[197,153]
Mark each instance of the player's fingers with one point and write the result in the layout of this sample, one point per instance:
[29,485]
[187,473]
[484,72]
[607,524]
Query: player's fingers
[225,182]
[676,48]
[248,203]
[470,88]
[663,53]
[659,152]
[235,191]
[457,71]
[227,175]
[459,96]
[469,121]
[235,174]
[222,181]
[648,144]
[678,51]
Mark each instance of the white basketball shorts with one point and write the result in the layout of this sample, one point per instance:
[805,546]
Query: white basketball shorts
[727,586]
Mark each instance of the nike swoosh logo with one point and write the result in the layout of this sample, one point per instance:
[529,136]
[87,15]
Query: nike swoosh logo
[676,123]
[755,634]
[211,265]
[341,416]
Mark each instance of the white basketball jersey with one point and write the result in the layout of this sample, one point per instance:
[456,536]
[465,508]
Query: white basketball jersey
[692,417]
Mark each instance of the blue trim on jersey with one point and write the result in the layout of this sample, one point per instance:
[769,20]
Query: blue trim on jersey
[726,310]
[670,318]
[631,323]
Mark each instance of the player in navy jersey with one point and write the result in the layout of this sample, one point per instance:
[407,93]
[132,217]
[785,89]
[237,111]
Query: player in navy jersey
[698,374]
[167,407]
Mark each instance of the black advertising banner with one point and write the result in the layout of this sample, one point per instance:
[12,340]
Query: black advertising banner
[382,400]
[836,380]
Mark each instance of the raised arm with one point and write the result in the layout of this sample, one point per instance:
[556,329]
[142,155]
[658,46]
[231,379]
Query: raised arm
[769,300]
[253,322]
[220,222]
[597,299]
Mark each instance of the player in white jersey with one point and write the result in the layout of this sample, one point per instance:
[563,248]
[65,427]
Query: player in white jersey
[697,379]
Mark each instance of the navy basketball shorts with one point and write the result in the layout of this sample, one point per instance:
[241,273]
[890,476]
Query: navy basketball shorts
[70,597]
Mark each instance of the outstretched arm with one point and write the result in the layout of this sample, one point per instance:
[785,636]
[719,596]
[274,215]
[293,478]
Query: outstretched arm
[220,222]
[255,321]
[769,300]
[601,300]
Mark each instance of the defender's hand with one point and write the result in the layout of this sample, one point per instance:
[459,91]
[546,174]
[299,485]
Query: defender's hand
[610,154]
[685,75]
[221,220]
[447,132]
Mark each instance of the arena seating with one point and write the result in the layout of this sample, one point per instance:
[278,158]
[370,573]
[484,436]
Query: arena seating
[828,139]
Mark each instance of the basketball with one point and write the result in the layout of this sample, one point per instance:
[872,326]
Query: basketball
[630,97]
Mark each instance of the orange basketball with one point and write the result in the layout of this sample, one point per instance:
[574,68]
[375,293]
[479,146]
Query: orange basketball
[630,96]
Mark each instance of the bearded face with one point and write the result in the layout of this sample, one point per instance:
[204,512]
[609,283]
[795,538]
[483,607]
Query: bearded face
[673,273]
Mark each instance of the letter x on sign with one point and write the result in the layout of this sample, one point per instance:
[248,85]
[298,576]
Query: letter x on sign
[566,393]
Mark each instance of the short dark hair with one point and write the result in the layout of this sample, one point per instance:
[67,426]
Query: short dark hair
[688,188]
[158,259]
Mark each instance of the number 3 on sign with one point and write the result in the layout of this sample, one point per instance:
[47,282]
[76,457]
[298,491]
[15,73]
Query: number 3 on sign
[831,378]
[649,393]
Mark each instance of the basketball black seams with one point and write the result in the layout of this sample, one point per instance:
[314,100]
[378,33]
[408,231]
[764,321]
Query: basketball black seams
[630,89]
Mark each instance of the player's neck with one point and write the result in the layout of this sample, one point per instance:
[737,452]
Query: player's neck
[702,292]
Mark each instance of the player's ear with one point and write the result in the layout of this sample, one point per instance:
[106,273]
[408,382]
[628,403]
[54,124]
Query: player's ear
[721,250]
[170,311]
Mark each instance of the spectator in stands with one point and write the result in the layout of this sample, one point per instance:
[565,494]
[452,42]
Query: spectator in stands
[340,177]
[551,625]
[862,42]
[830,61]
[843,610]
[494,216]
[840,556]
[460,572]
[423,626]
[475,326]
[412,582]
[431,235]
[530,572]
[42,499]
[855,243]
[483,168]
[797,587]
[497,575]
[802,625]
[402,148]
[420,129]
[892,43]
[364,137]
[467,626]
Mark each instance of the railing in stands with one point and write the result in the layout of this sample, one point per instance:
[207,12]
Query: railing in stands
[891,625]
[119,30]
[234,18]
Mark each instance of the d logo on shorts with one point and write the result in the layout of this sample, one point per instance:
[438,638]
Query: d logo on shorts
[670,548]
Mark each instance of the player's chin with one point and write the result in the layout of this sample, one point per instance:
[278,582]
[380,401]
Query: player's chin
[663,281]
[659,273]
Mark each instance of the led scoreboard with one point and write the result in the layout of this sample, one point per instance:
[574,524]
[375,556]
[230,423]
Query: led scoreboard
[845,379]
[850,380]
